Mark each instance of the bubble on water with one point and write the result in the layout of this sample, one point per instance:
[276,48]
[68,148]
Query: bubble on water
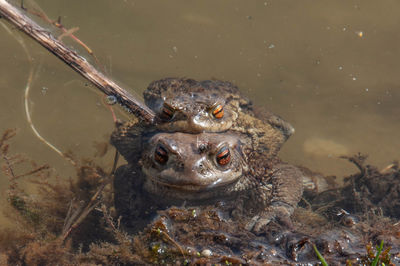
[271,46]
[359,33]
[44,90]
[175,49]
[111,100]
[206,253]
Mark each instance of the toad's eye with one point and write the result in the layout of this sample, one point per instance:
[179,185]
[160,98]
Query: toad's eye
[161,155]
[218,111]
[223,156]
[167,112]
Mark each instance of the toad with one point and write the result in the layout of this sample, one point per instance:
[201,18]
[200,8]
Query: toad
[177,168]
[187,105]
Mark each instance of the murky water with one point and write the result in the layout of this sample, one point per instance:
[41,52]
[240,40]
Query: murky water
[330,68]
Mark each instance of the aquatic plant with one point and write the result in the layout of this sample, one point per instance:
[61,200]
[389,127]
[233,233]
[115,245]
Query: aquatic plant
[378,252]
[41,219]
[320,257]
[377,257]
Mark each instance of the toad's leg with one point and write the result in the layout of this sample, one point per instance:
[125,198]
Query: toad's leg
[287,189]
[132,205]
[126,138]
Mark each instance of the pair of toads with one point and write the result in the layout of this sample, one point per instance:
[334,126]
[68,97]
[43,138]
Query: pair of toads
[209,144]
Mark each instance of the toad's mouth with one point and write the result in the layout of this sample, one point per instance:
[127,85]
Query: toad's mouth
[190,186]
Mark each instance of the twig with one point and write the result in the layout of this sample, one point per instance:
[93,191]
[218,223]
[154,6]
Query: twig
[116,157]
[34,171]
[39,12]
[10,170]
[8,134]
[82,215]
[358,160]
[78,216]
[115,227]
[75,61]
[66,220]
[71,217]
[163,232]
[26,95]
[68,33]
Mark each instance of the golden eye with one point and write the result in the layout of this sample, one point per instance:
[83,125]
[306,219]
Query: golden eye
[218,111]
[223,156]
[167,112]
[161,155]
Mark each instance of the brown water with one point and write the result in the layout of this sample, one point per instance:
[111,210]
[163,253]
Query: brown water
[328,67]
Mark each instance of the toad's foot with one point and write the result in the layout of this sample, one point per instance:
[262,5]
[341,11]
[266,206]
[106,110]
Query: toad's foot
[279,213]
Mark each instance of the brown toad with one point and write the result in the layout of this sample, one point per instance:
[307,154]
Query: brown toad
[187,105]
[191,106]
[205,168]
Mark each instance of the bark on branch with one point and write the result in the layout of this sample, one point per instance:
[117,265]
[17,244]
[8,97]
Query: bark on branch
[75,61]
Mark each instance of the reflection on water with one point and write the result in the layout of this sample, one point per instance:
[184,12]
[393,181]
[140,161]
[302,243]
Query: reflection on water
[330,68]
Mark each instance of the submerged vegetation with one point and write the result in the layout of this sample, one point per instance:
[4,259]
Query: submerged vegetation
[372,259]
[72,221]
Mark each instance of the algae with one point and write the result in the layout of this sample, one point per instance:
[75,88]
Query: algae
[73,222]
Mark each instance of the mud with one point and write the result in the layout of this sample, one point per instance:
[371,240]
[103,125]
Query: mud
[344,223]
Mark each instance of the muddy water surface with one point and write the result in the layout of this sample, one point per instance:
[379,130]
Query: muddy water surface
[331,68]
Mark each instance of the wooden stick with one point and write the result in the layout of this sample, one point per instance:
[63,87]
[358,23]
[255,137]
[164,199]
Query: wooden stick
[75,61]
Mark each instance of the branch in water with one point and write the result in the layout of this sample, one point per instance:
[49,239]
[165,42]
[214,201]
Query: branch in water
[75,61]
